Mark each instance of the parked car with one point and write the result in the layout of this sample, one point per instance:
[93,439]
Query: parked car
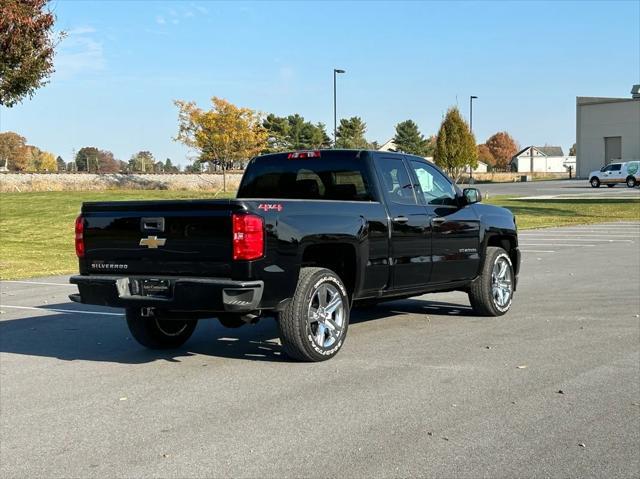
[310,235]
[626,172]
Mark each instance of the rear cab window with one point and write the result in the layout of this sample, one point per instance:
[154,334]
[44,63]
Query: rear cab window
[334,175]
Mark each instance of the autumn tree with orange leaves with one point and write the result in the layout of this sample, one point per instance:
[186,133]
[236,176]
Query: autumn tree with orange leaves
[223,135]
[503,147]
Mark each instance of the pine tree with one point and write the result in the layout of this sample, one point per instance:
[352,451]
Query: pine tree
[408,139]
[350,133]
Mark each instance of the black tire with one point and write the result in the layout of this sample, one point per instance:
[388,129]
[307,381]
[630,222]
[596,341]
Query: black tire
[299,335]
[231,321]
[481,295]
[595,182]
[611,185]
[631,182]
[156,333]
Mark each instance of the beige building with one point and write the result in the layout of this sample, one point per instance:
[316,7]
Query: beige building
[607,130]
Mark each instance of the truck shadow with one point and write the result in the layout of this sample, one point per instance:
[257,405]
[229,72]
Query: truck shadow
[89,337]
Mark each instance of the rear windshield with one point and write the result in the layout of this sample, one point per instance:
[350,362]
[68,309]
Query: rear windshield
[333,176]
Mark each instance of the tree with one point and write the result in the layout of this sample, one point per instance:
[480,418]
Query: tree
[223,135]
[169,167]
[455,146]
[350,133]
[47,162]
[503,148]
[572,150]
[408,139]
[92,159]
[13,151]
[142,162]
[277,128]
[485,155]
[26,48]
[62,166]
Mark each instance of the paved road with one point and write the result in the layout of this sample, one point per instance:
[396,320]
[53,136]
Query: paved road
[557,187]
[421,388]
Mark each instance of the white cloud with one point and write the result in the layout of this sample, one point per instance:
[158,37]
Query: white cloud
[79,53]
[160,20]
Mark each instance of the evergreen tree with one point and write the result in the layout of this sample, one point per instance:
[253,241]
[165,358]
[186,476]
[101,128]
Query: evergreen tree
[408,139]
[62,166]
[455,145]
[350,133]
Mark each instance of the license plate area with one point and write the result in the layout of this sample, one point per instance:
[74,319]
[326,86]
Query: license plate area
[157,288]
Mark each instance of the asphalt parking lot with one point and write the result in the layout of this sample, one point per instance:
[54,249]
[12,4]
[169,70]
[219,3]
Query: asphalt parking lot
[421,388]
[568,188]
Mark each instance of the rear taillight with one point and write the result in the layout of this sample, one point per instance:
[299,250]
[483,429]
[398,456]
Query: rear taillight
[80,236]
[248,236]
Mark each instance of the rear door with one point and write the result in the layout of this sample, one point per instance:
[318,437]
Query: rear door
[455,230]
[410,248]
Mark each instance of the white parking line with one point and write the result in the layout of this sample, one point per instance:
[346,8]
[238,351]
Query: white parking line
[36,282]
[56,310]
[536,251]
[580,239]
[574,245]
[579,235]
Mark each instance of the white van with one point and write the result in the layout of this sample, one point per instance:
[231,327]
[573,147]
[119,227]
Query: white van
[627,172]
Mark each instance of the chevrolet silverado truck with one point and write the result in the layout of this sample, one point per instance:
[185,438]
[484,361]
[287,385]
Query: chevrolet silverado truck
[310,235]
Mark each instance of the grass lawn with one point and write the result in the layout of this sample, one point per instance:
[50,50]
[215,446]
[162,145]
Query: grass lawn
[547,213]
[36,229]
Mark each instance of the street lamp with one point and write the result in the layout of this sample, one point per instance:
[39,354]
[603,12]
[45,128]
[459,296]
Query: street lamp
[471,98]
[335,117]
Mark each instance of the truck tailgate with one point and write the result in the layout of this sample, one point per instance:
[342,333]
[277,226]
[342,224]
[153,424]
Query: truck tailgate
[159,237]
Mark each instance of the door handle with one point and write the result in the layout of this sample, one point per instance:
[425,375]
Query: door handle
[437,221]
[400,219]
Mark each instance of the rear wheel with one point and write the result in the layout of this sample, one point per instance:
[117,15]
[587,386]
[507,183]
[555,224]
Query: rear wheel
[491,293]
[631,182]
[595,182]
[313,326]
[156,333]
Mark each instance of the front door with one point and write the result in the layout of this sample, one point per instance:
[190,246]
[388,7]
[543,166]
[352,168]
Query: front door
[455,230]
[410,247]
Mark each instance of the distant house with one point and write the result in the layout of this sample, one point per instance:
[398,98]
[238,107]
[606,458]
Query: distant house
[389,145]
[481,168]
[545,159]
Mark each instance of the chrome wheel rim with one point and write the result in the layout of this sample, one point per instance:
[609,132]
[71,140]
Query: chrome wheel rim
[501,282]
[325,315]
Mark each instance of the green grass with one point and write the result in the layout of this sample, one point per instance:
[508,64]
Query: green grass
[36,229]
[555,212]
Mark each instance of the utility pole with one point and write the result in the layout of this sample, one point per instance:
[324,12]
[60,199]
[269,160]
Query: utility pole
[471,98]
[335,115]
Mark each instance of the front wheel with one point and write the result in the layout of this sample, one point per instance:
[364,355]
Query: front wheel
[313,325]
[631,182]
[156,333]
[491,293]
[595,182]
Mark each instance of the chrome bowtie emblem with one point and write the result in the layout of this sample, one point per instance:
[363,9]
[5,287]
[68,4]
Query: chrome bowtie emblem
[152,242]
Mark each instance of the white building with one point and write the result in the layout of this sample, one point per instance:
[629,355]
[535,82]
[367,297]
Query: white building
[543,159]
[607,130]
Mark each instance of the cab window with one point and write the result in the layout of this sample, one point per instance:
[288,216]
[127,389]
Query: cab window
[616,167]
[395,180]
[436,189]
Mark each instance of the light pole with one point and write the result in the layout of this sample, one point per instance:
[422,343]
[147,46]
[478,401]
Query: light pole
[335,115]
[471,98]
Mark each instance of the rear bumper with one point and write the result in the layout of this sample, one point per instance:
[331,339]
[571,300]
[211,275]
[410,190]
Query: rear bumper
[183,294]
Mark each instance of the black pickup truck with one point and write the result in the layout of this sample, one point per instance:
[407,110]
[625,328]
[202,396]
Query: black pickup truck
[310,235]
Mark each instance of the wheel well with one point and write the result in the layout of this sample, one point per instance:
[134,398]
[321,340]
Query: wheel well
[594,177]
[340,258]
[507,243]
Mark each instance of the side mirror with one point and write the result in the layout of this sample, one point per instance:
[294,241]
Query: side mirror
[472,195]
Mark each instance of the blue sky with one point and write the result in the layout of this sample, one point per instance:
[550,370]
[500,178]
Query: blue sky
[123,63]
